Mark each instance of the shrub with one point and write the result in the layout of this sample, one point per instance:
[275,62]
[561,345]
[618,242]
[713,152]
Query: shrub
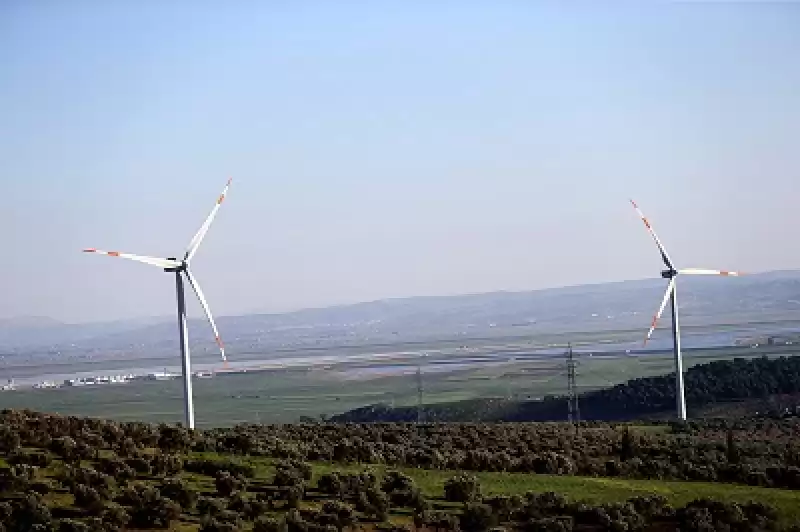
[462,488]
[477,518]
[71,525]
[149,509]
[213,467]
[401,490]
[374,503]
[225,521]
[293,496]
[344,514]
[178,491]
[210,506]
[87,497]
[115,516]
[270,524]
[227,483]
[331,484]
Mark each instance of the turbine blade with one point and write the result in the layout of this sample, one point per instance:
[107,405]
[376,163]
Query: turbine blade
[670,288]
[207,310]
[153,261]
[700,271]
[661,247]
[201,233]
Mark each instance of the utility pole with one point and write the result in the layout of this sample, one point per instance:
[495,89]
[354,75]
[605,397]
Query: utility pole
[573,410]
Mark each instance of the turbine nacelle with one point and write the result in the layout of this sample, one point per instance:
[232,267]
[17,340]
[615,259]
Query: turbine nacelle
[177,269]
[669,274]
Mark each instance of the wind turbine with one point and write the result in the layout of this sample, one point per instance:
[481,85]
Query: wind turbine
[178,267]
[672,273]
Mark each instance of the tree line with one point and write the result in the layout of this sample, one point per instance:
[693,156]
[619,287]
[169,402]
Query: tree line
[706,384]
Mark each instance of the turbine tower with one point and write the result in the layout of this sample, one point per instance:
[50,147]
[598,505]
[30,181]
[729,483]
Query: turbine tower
[178,267]
[672,273]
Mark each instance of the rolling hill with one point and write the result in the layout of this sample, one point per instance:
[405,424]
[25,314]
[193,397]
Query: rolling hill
[628,305]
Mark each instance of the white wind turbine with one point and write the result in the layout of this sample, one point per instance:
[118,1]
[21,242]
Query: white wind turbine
[178,267]
[671,273]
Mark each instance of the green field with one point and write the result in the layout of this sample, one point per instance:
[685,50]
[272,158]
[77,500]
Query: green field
[285,396]
[589,489]
[604,490]
[431,483]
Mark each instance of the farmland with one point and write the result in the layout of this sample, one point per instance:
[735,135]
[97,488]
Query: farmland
[286,395]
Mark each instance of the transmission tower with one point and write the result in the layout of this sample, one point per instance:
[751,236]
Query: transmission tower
[420,391]
[573,410]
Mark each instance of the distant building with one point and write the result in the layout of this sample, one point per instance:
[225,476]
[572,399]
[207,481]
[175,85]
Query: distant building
[161,376]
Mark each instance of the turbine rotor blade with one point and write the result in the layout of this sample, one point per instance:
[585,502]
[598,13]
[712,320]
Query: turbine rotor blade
[670,288]
[207,310]
[661,247]
[201,233]
[153,261]
[700,271]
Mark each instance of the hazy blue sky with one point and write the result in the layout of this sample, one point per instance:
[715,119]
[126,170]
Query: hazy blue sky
[384,149]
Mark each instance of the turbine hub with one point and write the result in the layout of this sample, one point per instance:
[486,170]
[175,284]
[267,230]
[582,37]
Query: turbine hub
[668,274]
[180,268]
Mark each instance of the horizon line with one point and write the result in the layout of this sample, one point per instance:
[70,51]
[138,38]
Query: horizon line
[370,301]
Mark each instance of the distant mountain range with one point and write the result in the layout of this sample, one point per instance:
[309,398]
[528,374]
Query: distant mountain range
[626,305]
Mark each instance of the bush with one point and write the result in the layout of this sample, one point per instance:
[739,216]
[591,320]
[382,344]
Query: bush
[166,464]
[9,440]
[210,506]
[402,491]
[13,479]
[225,521]
[551,524]
[270,524]
[88,498]
[462,488]
[477,518]
[303,469]
[373,503]
[115,516]
[117,468]
[28,514]
[227,483]
[331,484]
[212,467]
[36,459]
[436,520]
[343,513]
[71,525]
[541,505]
[293,496]
[178,491]
[149,509]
